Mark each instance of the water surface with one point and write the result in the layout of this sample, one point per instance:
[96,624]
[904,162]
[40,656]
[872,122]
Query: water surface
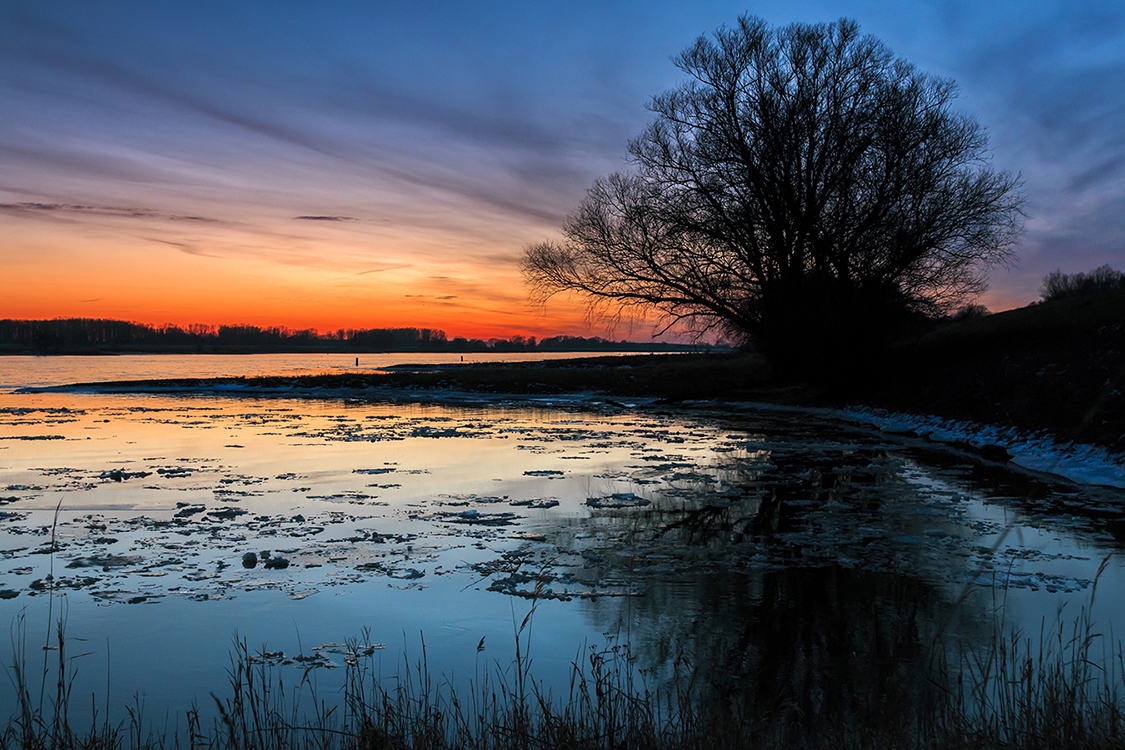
[758,540]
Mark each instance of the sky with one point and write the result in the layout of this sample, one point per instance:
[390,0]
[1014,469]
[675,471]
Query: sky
[382,164]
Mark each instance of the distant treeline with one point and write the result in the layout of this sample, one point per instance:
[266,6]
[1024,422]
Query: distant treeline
[1059,285]
[95,335]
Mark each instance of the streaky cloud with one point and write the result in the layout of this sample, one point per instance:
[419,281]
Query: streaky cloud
[32,207]
[1098,175]
[384,267]
[184,247]
[326,218]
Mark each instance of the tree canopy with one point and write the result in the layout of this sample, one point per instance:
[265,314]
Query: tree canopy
[804,189]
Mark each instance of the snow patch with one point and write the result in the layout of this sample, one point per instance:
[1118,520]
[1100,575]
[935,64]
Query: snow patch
[1085,464]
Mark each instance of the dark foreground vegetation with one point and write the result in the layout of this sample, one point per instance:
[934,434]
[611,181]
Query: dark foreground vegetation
[1065,692]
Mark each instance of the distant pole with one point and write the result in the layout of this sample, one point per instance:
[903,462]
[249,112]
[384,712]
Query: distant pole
[357,361]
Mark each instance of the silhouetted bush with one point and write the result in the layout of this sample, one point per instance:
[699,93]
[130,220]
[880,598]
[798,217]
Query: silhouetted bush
[969,312]
[1057,285]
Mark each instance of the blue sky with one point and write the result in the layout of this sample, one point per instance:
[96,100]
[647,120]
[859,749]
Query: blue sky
[396,157]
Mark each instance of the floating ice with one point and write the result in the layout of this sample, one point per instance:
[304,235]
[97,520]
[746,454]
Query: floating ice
[617,500]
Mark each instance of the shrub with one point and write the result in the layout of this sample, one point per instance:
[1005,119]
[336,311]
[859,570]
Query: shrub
[970,312]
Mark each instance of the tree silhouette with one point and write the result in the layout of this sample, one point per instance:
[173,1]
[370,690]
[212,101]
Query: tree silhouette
[1057,285]
[804,188]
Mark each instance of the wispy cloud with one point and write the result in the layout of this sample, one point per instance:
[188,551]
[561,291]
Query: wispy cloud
[32,208]
[384,267]
[1050,80]
[407,145]
[185,247]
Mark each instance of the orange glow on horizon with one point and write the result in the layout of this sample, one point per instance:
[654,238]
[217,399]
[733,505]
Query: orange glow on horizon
[327,277]
[55,272]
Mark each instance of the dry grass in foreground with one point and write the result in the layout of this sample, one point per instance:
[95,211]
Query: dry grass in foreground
[1066,692]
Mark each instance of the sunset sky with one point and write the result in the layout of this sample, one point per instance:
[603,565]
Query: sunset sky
[382,164]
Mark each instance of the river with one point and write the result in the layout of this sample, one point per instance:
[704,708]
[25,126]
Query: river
[748,539]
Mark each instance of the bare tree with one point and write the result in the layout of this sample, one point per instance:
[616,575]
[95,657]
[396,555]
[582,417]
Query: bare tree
[1057,285]
[804,188]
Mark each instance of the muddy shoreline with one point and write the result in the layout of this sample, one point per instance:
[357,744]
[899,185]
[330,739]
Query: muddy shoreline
[714,381]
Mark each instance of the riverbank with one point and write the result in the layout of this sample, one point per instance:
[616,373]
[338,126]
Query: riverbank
[1072,400]
[1046,371]
[1056,369]
[712,383]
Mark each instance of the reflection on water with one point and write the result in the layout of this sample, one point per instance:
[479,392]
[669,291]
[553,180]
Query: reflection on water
[806,565]
[801,645]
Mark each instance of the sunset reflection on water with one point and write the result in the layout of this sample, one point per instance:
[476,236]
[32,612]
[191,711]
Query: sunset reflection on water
[700,530]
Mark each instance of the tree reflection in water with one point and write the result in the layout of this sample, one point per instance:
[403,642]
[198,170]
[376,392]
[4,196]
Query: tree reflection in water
[805,650]
[809,590]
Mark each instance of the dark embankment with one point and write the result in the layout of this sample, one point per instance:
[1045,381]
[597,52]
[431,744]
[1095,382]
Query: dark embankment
[1058,366]
[671,377]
